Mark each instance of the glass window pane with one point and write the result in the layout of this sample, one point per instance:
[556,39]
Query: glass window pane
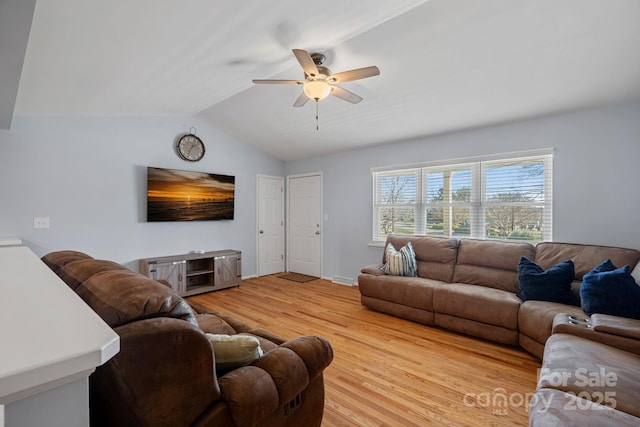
[461,220]
[515,182]
[396,220]
[397,189]
[449,195]
[515,222]
[435,187]
[458,182]
[434,221]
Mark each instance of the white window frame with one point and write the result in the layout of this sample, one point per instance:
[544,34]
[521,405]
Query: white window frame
[379,203]
[478,203]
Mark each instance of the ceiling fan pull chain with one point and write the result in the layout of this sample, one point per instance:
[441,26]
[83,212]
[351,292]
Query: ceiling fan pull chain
[317,126]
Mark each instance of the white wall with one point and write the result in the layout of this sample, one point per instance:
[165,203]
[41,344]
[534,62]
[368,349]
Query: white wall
[596,179]
[66,405]
[88,175]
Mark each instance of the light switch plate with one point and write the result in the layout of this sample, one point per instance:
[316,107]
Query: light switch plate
[41,222]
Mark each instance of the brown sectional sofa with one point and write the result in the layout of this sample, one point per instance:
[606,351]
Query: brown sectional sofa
[471,286]
[165,373]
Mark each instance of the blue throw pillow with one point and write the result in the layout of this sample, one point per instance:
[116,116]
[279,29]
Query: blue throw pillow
[552,285]
[610,290]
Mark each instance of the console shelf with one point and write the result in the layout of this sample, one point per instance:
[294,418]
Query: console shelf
[195,273]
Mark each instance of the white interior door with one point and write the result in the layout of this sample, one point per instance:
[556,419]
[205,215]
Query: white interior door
[304,221]
[270,224]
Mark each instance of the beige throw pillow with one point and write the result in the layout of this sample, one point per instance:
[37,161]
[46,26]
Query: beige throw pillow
[234,351]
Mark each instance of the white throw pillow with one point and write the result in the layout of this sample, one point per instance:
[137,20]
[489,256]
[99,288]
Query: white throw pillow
[636,273]
[234,351]
[402,262]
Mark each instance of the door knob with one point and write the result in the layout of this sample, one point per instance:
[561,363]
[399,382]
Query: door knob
[261,231]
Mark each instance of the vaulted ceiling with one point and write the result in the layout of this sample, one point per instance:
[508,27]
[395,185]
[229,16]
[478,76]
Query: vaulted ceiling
[445,64]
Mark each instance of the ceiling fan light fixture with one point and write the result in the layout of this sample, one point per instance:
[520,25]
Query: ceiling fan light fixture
[316,89]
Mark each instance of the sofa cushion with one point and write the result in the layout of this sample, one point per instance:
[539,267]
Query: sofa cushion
[399,310]
[410,291]
[121,296]
[76,272]
[435,256]
[400,262]
[590,369]
[553,284]
[162,375]
[584,257]
[56,260]
[478,303]
[477,329]
[490,263]
[555,408]
[212,324]
[535,318]
[610,290]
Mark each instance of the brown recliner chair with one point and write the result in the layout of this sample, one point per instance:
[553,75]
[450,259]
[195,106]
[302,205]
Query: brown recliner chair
[165,372]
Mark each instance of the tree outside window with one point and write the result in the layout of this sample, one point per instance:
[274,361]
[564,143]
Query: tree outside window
[396,200]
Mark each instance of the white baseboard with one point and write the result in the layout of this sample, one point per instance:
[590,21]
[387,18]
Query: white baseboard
[346,281]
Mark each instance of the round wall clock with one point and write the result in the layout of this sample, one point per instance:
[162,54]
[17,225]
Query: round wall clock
[190,148]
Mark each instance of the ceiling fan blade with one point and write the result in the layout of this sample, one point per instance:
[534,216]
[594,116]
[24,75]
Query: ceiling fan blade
[302,99]
[345,95]
[357,74]
[306,62]
[277,82]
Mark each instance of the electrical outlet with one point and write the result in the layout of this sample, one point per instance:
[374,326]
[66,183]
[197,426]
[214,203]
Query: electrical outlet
[41,222]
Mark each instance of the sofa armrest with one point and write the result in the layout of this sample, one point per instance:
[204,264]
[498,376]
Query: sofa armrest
[266,335]
[375,269]
[610,330]
[163,375]
[253,392]
[616,325]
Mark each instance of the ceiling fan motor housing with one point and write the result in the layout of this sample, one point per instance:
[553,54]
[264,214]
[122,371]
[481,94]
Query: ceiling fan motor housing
[323,73]
[318,58]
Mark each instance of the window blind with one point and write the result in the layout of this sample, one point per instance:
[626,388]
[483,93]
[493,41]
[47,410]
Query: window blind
[506,198]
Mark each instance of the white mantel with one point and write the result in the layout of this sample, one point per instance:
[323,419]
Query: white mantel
[50,337]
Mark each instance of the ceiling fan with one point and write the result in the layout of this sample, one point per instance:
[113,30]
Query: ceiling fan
[319,82]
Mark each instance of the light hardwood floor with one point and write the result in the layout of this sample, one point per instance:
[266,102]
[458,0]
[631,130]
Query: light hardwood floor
[388,371]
